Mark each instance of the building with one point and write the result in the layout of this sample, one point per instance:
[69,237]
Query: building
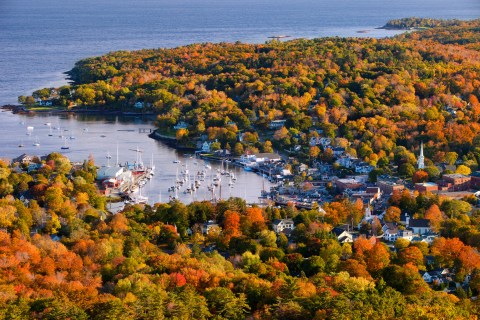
[260,157]
[426,276]
[342,235]
[139,105]
[363,168]
[405,234]
[283,226]
[105,173]
[475,179]
[337,151]
[390,231]
[425,187]
[208,226]
[180,125]
[455,182]
[351,184]
[24,159]
[206,147]
[419,226]
[388,187]
[421,158]
[346,161]
[276,124]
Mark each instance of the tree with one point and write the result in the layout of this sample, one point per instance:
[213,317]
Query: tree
[446,251]
[420,176]
[451,157]
[238,149]
[267,146]
[355,268]
[268,238]
[435,216]
[405,279]
[411,255]
[378,258]
[463,169]
[406,169]
[224,303]
[392,214]
[253,221]
[231,226]
[314,152]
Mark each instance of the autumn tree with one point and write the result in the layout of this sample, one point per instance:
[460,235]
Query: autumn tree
[392,214]
[231,226]
[420,176]
[435,216]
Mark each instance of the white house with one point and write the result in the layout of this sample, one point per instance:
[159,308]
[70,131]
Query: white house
[426,276]
[206,146]
[338,151]
[276,124]
[105,173]
[342,235]
[363,168]
[390,231]
[139,105]
[180,125]
[325,141]
[346,161]
[208,226]
[283,225]
[419,226]
[405,234]
[46,103]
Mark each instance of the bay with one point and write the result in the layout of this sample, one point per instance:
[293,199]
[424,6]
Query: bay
[98,136]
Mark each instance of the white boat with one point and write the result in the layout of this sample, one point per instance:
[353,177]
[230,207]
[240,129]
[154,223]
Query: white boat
[29,130]
[176,161]
[136,199]
[36,143]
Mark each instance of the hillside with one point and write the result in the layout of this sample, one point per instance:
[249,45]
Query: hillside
[378,97]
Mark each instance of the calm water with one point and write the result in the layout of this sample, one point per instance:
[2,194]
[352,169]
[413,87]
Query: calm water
[41,39]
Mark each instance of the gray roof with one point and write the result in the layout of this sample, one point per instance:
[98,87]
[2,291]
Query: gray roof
[419,223]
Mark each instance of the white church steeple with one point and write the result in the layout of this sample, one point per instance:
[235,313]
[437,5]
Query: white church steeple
[421,158]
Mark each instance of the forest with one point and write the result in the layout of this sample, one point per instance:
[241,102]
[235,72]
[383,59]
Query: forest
[63,256]
[378,98]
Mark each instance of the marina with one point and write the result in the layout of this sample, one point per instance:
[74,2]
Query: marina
[98,136]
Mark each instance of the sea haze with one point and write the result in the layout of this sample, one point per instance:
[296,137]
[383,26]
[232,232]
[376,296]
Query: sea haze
[41,39]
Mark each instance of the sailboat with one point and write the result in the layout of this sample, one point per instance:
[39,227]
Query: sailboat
[65,147]
[21,145]
[50,134]
[36,143]
[29,130]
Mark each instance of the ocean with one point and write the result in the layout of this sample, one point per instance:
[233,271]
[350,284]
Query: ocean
[41,39]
